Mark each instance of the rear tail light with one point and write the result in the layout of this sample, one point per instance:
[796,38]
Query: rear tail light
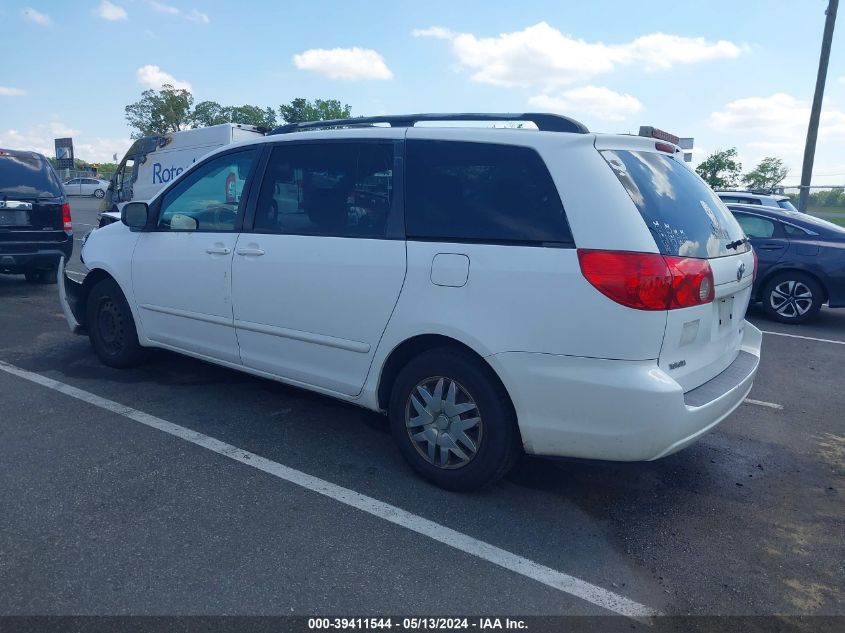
[754,272]
[648,281]
[68,225]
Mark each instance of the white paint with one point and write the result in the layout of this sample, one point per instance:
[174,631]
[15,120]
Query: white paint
[550,577]
[806,338]
[762,403]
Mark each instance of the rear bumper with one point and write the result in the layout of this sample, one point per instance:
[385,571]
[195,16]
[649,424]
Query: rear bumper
[618,410]
[40,256]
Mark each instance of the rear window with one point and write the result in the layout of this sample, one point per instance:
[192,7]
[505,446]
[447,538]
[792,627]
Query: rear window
[787,204]
[481,192]
[683,214]
[28,175]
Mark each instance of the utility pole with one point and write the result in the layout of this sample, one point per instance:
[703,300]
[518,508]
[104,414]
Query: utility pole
[815,113]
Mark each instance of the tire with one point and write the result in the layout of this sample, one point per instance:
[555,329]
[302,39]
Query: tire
[111,327]
[792,297]
[468,391]
[41,276]
[99,193]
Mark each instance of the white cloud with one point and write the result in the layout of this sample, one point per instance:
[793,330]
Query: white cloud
[7,91]
[111,12]
[41,139]
[193,15]
[151,76]
[597,101]
[779,117]
[164,8]
[36,16]
[197,16]
[437,32]
[542,55]
[350,64]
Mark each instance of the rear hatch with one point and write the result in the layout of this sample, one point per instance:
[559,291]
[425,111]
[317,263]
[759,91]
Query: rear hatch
[688,220]
[31,199]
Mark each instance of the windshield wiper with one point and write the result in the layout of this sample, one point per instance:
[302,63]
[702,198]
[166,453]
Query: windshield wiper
[736,244]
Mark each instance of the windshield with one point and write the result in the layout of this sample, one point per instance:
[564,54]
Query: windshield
[28,175]
[683,214]
[787,204]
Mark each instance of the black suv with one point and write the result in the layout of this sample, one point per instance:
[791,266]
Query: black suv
[35,226]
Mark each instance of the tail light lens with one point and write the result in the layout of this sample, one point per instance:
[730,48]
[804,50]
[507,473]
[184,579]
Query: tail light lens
[68,225]
[754,272]
[648,281]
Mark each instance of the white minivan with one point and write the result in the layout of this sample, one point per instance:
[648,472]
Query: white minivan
[155,161]
[494,291]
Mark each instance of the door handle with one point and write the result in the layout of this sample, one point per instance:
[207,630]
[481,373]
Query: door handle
[218,250]
[250,251]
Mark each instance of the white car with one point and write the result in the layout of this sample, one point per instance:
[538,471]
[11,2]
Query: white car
[762,199]
[493,291]
[86,187]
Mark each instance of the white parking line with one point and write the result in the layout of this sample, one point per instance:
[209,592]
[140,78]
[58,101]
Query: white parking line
[763,403]
[806,338]
[550,577]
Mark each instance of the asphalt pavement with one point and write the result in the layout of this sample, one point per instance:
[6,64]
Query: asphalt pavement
[103,514]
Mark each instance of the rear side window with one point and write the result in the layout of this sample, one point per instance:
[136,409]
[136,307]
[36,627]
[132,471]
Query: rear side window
[755,226]
[683,214]
[331,189]
[28,175]
[481,192]
[787,204]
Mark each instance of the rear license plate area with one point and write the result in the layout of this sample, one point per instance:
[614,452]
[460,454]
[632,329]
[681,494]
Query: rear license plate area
[14,217]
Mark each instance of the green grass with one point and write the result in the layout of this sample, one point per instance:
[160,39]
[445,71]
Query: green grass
[814,207]
[839,221]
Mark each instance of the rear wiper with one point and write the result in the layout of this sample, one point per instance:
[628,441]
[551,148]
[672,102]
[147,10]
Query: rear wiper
[736,244]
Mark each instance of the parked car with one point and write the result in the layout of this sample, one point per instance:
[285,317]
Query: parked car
[35,226]
[492,291]
[86,187]
[756,197]
[801,259]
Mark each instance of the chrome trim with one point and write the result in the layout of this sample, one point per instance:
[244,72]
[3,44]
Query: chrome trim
[17,205]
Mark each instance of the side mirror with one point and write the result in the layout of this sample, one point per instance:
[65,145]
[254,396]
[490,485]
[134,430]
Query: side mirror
[135,215]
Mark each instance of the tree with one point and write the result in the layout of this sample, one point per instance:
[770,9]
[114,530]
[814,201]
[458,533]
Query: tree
[160,112]
[208,113]
[253,115]
[301,109]
[720,170]
[768,174]
[212,113]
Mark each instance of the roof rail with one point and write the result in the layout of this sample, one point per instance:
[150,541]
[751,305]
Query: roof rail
[544,122]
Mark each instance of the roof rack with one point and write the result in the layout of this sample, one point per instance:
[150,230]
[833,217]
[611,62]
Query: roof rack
[544,122]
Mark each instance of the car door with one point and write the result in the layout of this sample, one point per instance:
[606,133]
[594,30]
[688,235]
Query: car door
[72,186]
[181,270]
[316,278]
[86,187]
[767,238]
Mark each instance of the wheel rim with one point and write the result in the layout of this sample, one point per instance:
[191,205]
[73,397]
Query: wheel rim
[99,193]
[791,299]
[110,326]
[443,422]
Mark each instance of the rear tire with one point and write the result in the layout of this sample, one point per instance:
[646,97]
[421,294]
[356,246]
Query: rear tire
[461,435]
[41,276]
[99,193]
[792,297]
[111,327]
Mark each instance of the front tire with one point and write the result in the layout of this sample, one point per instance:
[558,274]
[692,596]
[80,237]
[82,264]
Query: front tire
[453,421]
[111,327]
[792,297]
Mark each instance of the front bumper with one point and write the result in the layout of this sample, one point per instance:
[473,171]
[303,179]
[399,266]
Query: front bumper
[618,410]
[69,293]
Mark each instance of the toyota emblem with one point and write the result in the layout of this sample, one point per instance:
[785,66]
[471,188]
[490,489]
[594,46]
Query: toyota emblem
[740,271]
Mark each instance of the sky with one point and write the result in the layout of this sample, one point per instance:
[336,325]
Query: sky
[730,74]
